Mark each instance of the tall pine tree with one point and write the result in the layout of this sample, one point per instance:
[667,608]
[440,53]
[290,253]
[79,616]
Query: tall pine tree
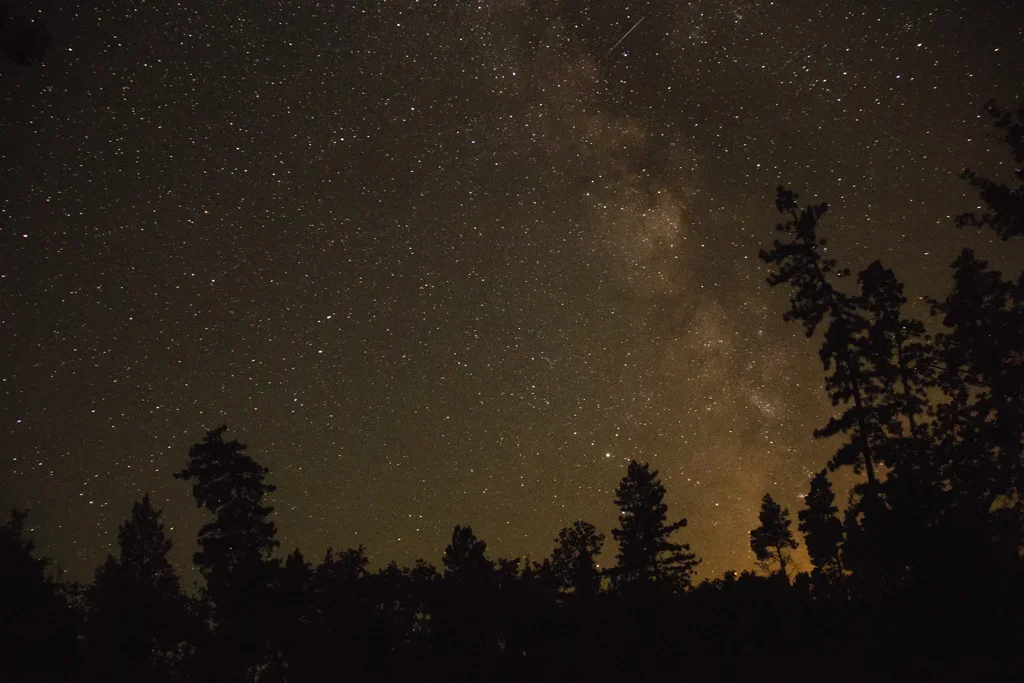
[773,540]
[901,357]
[235,552]
[904,366]
[1005,212]
[981,425]
[844,351]
[465,558]
[38,630]
[647,555]
[821,527]
[463,612]
[573,559]
[137,614]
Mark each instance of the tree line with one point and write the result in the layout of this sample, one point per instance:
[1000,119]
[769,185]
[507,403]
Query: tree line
[919,578]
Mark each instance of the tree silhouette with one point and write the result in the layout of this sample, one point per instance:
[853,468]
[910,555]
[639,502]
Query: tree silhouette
[294,619]
[904,364]
[844,352]
[422,579]
[772,541]
[137,614]
[344,619]
[981,425]
[465,625]
[231,485]
[1005,213]
[820,525]
[347,566]
[402,596]
[800,264]
[464,558]
[572,561]
[235,549]
[901,358]
[646,553]
[38,629]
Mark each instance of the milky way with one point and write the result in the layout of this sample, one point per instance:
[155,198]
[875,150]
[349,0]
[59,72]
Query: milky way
[459,262]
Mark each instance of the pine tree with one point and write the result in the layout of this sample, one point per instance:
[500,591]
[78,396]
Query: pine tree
[821,527]
[981,426]
[901,357]
[294,618]
[465,607]
[342,624]
[465,558]
[844,352]
[235,551]
[646,553]
[572,560]
[1005,213]
[137,614]
[773,540]
[982,422]
[229,484]
[38,633]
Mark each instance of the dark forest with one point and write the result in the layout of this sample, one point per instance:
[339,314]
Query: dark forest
[916,570]
[917,576]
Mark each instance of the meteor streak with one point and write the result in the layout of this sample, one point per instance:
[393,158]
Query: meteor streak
[622,38]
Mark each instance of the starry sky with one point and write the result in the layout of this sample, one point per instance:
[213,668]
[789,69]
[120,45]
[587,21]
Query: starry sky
[459,261]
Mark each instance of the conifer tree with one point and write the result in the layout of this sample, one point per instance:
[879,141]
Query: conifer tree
[294,617]
[465,557]
[463,610]
[343,607]
[231,485]
[821,527]
[773,540]
[235,551]
[900,355]
[982,422]
[573,559]
[38,633]
[980,428]
[1005,212]
[647,554]
[844,352]
[137,613]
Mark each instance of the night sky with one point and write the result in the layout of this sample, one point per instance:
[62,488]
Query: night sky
[458,262]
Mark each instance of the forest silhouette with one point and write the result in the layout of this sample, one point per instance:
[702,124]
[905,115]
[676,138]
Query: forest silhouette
[918,577]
